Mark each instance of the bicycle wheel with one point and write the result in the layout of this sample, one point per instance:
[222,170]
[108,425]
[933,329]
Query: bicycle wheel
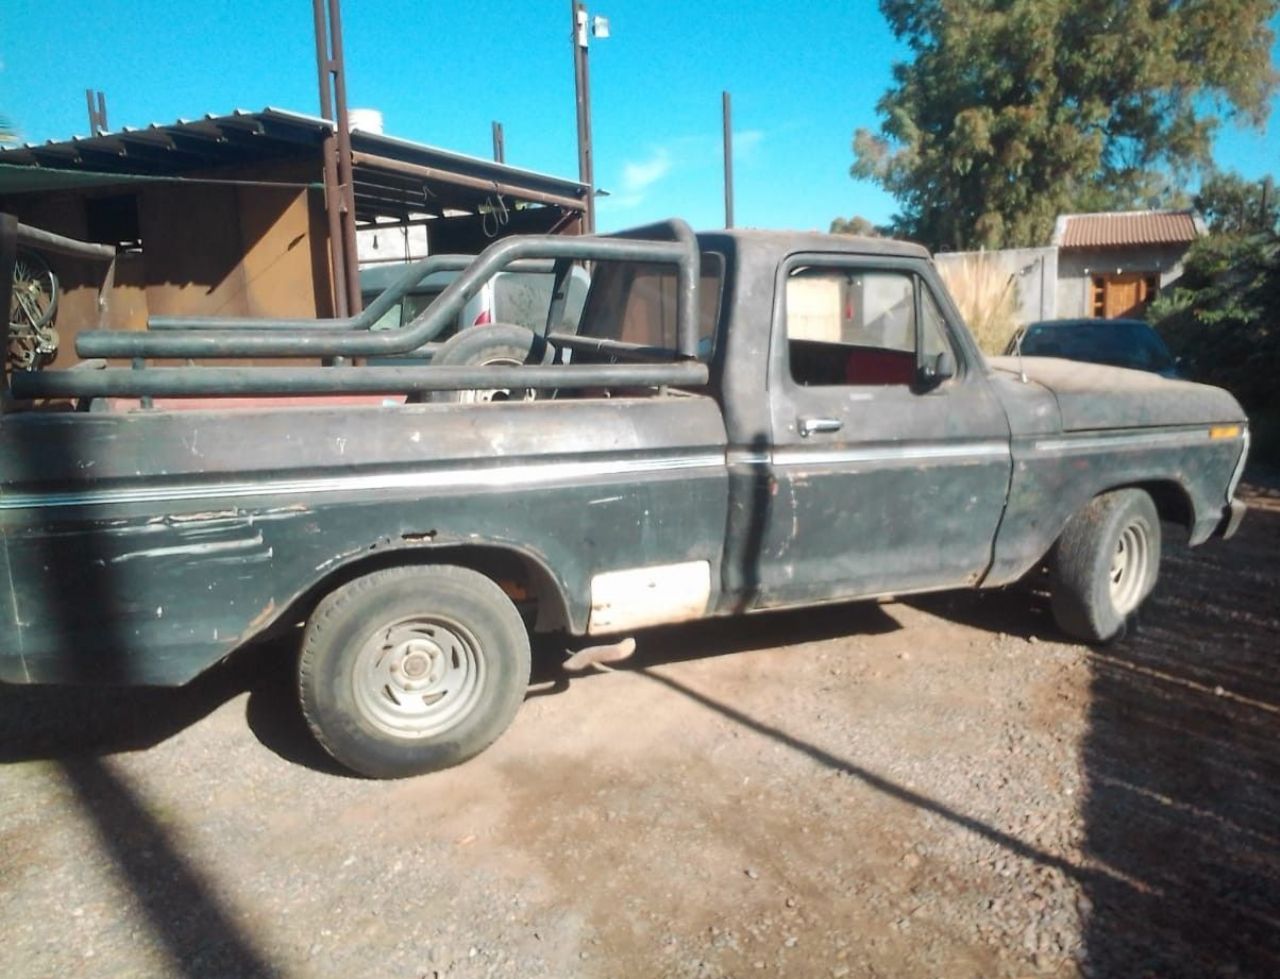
[35,291]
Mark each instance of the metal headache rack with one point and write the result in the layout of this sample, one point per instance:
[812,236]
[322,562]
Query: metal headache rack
[195,338]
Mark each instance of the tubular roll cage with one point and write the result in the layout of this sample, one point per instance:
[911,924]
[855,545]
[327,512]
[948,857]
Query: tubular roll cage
[669,242]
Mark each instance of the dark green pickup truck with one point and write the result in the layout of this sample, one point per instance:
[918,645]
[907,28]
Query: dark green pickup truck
[742,421]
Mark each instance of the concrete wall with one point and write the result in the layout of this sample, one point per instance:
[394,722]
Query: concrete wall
[1076,268]
[1034,272]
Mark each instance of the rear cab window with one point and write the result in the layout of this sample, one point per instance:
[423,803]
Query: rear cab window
[636,303]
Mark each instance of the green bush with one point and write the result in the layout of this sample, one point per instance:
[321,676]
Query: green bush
[1222,319]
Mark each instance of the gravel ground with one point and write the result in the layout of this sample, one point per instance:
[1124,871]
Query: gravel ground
[936,788]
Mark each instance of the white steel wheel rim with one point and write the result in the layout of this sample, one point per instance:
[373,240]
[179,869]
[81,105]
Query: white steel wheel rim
[1129,563]
[497,394]
[418,676]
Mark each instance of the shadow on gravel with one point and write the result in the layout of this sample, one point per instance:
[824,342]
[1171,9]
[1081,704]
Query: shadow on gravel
[181,907]
[1181,759]
[46,722]
[50,722]
[879,782]
[69,725]
[1184,771]
[709,638]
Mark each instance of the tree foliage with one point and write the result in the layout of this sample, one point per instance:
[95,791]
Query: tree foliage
[1220,319]
[1232,205]
[856,225]
[1013,111]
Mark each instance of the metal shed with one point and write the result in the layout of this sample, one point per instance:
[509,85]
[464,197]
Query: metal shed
[226,215]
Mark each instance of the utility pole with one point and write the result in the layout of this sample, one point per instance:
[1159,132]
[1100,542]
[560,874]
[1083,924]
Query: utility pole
[499,144]
[598,27]
[339,187]
[727,112]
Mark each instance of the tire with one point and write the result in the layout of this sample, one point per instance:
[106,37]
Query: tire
[497,344]
[412,670]
[1104,565]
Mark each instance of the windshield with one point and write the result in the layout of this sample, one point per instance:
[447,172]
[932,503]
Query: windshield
[1119,344]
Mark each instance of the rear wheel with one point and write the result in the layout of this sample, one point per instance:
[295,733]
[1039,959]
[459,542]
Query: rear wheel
[412,670]
[1105,564]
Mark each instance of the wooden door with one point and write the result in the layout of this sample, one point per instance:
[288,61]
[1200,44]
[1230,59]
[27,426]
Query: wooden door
[1124,295]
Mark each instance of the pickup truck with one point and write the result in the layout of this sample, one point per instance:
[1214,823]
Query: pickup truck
[742,421]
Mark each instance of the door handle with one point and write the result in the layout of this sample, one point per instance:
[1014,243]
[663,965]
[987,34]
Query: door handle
[810,425]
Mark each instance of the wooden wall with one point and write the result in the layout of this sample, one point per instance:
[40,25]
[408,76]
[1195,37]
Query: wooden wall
[207,249]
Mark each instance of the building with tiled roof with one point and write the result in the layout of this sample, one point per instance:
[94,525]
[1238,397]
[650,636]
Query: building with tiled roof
[1106,265]
[1113,264]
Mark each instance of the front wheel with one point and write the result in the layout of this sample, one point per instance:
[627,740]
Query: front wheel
[1105,565]
[411,670]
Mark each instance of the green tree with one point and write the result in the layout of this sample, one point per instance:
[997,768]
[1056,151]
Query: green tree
[1013,111]
[1220,319]
[856,225]
[1232,205]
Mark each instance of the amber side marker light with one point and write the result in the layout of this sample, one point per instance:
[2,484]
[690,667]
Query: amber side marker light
[1224,431]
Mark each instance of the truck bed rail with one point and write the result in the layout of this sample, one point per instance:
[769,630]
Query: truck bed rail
[237,381]
[327,343]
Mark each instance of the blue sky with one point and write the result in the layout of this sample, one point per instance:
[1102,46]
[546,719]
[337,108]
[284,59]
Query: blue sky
[803,77]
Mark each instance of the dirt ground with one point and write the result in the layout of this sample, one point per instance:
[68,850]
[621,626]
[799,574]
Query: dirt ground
[942,787]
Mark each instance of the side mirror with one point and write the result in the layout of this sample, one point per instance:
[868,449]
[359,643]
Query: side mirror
[934,370]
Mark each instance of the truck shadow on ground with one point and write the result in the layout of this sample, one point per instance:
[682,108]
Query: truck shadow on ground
[55,722]
[710,638]
[1182,801]
[1181,814]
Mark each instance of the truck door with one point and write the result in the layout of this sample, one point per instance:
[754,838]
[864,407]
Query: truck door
[890,458]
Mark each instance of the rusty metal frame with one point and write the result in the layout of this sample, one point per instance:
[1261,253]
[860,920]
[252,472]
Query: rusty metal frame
[268,338]
[352,338]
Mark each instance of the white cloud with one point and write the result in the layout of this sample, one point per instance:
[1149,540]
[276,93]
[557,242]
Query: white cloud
[746,142]
[637,177]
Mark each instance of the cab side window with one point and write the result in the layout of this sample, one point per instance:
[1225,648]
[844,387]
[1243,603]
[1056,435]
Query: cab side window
[859,327]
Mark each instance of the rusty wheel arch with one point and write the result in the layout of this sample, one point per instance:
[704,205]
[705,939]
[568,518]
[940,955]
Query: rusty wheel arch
[525,579]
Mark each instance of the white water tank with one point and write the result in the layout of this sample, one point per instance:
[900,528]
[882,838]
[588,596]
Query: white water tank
[365,120]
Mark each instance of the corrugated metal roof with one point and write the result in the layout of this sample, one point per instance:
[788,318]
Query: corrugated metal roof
[1120,229]
[242,137]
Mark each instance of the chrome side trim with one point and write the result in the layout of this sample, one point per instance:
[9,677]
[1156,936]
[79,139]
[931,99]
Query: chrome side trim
[1104,441]
[892,453]
[498,477]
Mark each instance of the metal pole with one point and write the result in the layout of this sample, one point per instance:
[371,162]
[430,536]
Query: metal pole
[337,256]
[8,256]
[582,90]
[98,115]
[344,157]
[726,106]
[499,145]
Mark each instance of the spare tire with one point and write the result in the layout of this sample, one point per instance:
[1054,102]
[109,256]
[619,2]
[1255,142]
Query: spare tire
[493,345]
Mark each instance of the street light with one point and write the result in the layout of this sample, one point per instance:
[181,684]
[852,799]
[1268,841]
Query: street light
[585,27]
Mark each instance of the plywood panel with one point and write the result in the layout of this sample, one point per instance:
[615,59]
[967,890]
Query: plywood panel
[275,239]
[191,240]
